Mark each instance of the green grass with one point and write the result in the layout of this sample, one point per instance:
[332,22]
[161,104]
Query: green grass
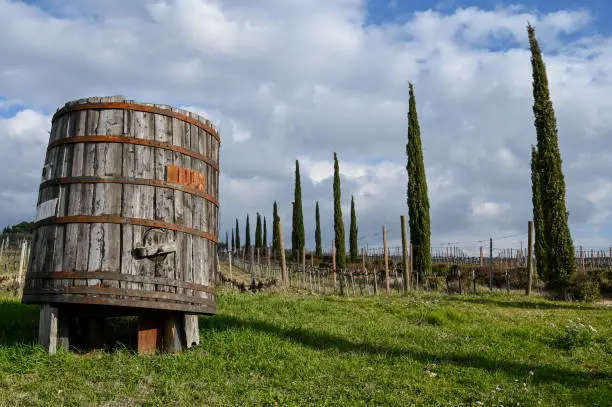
[273,349]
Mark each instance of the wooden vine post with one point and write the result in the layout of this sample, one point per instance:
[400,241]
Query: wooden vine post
[267,261]
[282,252]
[388,288]
[252,267]
[304,266]
[491,265]
[230,265]
[529,255]
[311,268]
[405,258]
[22,260]
[364,271]
[411,270]
[334,263]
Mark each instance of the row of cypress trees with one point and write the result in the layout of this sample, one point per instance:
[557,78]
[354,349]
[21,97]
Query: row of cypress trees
[553,243]
[418,208]
[260,235]
[298,238]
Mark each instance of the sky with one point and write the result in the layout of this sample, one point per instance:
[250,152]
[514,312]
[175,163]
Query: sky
[301,79]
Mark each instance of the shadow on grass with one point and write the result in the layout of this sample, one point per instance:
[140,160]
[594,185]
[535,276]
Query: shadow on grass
[19,326]
[512,303]
[323,341]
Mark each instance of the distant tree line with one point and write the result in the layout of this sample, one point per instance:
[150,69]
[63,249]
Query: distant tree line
[19,228]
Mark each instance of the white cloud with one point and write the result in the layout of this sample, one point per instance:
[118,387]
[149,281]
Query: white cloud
[301,79]
[489,209]
[27,125]
[600,192]
[204,26]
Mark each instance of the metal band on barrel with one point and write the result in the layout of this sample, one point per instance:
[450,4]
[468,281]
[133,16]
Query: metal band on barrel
[83,298]
[129,181]
[156,295]
[114,276]
[135,141]
[126,221]
[139,108]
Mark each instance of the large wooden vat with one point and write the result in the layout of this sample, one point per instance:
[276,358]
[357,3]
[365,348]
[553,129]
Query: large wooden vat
[127,209]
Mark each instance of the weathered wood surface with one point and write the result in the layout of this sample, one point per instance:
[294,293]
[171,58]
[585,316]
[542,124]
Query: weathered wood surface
[169,333]
[47,328]
[192,330]
[95,247]
[150,334]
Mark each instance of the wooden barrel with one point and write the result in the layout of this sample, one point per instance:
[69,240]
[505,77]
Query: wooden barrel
[127,208]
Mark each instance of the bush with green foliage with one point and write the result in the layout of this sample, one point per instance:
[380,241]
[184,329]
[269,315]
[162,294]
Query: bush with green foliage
[441,269]
[585,287]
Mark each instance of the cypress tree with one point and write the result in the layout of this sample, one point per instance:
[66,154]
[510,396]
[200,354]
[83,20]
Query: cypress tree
[258,239]
[226,241]
[338,222]
[318,248]
[353,233]
[275,237]
[247,238]
[297,233]
[233,242]
[238,247]
[538,222]
[418,201]
[560,258]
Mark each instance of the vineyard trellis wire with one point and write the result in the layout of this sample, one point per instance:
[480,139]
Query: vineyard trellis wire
[454,269]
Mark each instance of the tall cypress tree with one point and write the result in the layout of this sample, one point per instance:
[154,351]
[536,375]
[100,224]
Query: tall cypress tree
[226,241]
[265,237]
[275,237]
[418,201]
[247,238]
[538,222]
[338,222]
[258,238]
[353,233]
[237,238]
[297,233]
[560,258]
[233,242]
[318,248]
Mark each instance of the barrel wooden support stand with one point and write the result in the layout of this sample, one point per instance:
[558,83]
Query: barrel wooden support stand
[167,333]
[53,328]
[157,331]
[47,328]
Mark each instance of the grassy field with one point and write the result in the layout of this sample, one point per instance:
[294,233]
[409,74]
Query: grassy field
[275,349]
